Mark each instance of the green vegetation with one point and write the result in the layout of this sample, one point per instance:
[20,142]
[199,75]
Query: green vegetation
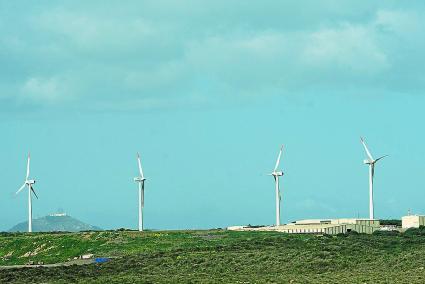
[415,231]
[216,256]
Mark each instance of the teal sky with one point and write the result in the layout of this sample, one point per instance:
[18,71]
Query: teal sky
[207,91]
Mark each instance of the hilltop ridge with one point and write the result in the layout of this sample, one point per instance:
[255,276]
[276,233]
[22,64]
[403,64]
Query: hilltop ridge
[59,222]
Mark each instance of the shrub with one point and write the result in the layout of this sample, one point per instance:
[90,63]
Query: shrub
[347,234]
[386,233]
[415,231]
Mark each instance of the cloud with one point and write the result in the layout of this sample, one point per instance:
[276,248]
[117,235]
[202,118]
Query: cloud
[402,23]
[42,90]
[355,48]
[94,34]
[123,55]
[238,61]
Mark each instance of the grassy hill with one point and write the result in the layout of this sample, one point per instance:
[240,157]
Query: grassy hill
[63,223]
[216,256]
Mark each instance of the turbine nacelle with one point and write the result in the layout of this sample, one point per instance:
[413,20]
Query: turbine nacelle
[30,181]
[367,162]
[139,179]
[279,174]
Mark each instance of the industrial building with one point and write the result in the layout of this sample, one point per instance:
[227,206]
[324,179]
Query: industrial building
[412,221]
[319,226]
[333,226]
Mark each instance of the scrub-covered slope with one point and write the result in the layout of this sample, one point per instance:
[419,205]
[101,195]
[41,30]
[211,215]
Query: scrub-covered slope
[216,257]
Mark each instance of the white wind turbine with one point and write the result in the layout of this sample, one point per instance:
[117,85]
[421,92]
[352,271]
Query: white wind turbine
[371,162]
[276,174]
[29,182]
[141,181]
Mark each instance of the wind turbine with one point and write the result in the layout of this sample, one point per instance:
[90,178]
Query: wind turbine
[371,162]
[141,181]
[29,182]
[276,174]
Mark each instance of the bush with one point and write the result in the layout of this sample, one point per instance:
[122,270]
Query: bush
[415,231]
[386,233]
[347,234]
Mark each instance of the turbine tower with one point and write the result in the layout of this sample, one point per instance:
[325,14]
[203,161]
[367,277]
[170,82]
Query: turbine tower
[276,174]
[371,162]
[141,181]
[29,182]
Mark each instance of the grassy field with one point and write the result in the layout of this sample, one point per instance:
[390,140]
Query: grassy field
[215,256]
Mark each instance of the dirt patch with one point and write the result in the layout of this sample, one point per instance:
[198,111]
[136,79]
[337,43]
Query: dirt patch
[39,249]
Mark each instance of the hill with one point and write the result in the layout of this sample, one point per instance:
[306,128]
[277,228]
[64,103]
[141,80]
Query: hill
[55,223]
[215,256]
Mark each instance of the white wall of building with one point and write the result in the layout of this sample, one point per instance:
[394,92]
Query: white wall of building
[412,221]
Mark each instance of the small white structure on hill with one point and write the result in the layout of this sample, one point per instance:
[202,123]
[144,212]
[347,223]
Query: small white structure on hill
[412,221]
[57,215]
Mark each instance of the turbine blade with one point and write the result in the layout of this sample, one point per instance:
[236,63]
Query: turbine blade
[21,188]
[140,165]
[373,172]
[28,166]
[33,191]
[278,158]
[381,158]
[366,149]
